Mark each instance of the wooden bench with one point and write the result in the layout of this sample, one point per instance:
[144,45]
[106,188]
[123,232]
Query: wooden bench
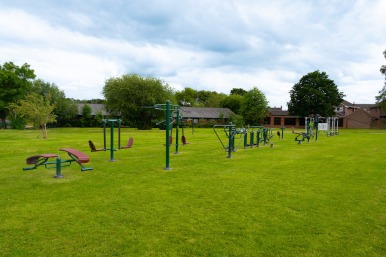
[77,156]
[40,159]
[43,159]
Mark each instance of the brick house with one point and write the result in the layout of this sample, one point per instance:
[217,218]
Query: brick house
[277,117]
[350,116]
[361,115]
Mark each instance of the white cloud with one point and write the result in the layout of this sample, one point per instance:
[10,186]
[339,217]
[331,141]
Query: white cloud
[216,46]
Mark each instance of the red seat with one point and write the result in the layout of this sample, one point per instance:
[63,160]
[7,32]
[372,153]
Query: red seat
[129,143]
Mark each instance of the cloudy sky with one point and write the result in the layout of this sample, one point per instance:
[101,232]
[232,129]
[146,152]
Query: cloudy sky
[211,45]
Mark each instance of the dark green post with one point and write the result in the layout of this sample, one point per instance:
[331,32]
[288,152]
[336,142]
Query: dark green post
[282,132]
[258,137]
[119,134]
[252,135]
[245,139]
[104,134]
[58,168]
[177,126]
[112,140]
[316,127]
[230,142]
[167,135]
[265,134]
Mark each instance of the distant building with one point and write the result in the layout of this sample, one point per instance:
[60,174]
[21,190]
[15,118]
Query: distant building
[206,114]
[350,116]
[361,115]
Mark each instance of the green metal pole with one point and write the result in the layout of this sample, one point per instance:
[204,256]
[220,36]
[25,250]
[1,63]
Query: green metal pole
[104,134]
[258,137]
[119,133]
[58,168]
[245,139]
[230,142]
[177,127]
[112,141]
[316,127]
[167,135]
[252,135]
[282,132]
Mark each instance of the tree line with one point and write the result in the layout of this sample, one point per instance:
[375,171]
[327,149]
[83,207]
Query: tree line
[25,99]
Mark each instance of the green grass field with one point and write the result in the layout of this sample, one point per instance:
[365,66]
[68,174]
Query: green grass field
[325,198]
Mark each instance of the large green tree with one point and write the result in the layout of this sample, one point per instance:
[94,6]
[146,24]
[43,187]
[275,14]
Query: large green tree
[238,91]
[36,109]
[128,95]
[86,116]
[15,82]
[315,93]
[202,98]
[66,109]
[215,100]
[188,97]
[381,98]
[254,106]
[233,102]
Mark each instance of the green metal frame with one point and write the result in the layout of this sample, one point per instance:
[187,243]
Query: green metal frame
[168,108]
[44,160]
[112,149]
[231,132]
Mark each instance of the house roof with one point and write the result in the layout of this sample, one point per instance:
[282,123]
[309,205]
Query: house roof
[205,112]
[363,106]
[278,112]
[346,103]
[357,111]
[366,106]
[95,109]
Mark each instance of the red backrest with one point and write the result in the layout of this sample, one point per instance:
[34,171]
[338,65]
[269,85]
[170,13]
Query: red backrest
[130,142]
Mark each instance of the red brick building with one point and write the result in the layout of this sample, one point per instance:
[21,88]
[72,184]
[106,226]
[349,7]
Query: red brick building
[350,116]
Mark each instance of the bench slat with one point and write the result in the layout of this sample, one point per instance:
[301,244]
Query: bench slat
[80,156]
[34,159]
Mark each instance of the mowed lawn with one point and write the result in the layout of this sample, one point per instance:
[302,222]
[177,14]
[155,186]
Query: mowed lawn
[324,198]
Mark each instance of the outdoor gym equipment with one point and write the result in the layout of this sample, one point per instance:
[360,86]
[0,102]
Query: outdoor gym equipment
[282,132]
[263,135]
[315,123]
[301,136]
[231,132]
[254,130]
[329,125]
[333,124]
[167,107]
[267,135]
[311,127]
[93,148]
[112,149]
[129,144]
[44,159]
